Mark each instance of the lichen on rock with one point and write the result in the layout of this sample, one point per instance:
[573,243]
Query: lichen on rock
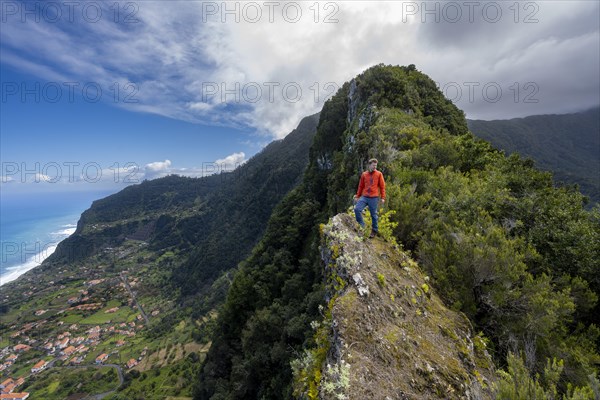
[395,340]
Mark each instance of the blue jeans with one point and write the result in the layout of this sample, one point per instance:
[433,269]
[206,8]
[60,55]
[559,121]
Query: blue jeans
[372,203]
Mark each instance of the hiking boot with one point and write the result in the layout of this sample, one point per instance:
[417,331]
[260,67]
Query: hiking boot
[373,234]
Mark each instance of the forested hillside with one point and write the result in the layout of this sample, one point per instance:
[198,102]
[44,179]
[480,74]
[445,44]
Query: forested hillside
[518,256]
[206,225]
[568,145]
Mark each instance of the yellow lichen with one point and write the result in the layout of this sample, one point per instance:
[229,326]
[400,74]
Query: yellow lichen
[381,279]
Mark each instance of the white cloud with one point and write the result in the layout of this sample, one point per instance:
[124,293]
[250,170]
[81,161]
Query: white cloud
[188,65]
[200,106]
[44,178]
[157,169]
[232,161]
[158,165]
[29,177]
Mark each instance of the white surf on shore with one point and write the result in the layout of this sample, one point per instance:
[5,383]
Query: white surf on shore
[41,253]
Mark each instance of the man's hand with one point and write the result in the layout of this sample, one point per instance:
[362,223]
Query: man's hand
[383,200]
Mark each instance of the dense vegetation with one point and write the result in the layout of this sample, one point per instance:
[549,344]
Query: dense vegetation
[568,144]
[518,256]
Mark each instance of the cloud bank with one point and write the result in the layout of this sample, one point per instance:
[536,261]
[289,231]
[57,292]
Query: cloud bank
[266,65]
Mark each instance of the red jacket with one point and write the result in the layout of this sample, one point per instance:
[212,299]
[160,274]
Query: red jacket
[371,184]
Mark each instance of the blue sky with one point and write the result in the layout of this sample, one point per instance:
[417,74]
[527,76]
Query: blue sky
[45,130]
[200,84]
[66,138]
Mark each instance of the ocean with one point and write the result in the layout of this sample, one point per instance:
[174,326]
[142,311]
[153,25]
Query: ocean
[32,225]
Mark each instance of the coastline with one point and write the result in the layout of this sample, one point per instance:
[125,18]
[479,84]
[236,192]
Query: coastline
[13,273]
[33,225]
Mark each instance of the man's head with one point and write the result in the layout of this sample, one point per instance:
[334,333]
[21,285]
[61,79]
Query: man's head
[372,165]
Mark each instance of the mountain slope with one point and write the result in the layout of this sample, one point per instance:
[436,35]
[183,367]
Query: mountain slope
[500,243]
[568,144]
[200,220]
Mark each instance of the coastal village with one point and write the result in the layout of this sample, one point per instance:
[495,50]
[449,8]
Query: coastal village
[102,328]
[88,324]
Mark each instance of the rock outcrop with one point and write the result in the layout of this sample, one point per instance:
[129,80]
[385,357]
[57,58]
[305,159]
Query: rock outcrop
[391,337]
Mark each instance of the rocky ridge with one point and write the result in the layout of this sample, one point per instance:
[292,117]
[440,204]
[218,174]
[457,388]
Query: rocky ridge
[391,337]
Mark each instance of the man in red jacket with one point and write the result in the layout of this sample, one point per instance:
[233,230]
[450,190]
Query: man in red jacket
[371,186]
